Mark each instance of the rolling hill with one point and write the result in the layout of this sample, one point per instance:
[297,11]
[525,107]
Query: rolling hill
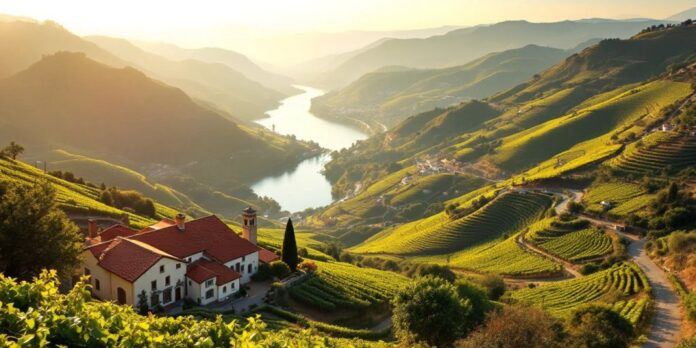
[234,60]
[389,95]
[68,101]
[463,45]
[217,83]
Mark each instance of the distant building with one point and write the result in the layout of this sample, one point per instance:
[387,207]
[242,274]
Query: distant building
[202,260]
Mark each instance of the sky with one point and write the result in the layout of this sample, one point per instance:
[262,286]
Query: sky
[159,18]
[265,28]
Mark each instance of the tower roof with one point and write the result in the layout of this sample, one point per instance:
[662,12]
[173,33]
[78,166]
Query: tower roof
[249,210]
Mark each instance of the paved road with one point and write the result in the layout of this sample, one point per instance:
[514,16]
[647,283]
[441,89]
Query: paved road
[666,321]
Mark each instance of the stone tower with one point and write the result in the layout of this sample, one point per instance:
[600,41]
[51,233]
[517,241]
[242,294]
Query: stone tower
[249,224]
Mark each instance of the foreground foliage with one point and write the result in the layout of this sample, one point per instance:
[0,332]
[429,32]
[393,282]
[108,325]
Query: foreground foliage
[36,314]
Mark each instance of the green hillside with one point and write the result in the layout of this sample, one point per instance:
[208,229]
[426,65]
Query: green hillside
[532,145]
[441,234]
[389,95]
[571,240]
[75,198]
[89,108]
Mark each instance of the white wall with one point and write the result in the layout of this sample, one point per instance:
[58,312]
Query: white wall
[231,287]
[251,259]
[143,283]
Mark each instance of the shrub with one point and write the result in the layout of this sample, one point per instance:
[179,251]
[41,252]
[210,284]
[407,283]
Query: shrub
[263,273]
[438,271]
[494,284]
[279,269]
[589,268]
[517,326]
[308,266]
[690,306]
[599,326]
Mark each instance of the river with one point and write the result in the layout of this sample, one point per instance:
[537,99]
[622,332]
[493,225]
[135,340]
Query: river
[304,186]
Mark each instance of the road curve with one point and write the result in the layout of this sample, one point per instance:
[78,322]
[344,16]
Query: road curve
[666,320]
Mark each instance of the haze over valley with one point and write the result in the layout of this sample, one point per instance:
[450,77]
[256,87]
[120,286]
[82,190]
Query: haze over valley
[348,173]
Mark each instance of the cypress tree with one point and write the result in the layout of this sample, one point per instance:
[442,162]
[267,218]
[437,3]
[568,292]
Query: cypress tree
[289,254]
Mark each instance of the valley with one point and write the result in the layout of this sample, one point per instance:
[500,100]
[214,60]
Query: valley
[511,184]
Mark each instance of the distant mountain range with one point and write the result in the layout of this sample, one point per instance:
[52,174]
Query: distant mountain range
[684,15]
[226,88]
[391,94]
[463,45]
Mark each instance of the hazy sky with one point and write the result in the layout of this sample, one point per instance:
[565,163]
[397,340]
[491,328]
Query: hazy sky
[163,19]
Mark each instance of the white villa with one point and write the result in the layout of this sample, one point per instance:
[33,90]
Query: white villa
[202,260]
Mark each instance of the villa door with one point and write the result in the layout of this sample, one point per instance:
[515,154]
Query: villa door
[167,295]
[177,293]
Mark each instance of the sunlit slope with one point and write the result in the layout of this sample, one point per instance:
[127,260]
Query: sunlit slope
[552,137]
[611,63]
[402,188]
[75,198]
[389,95]
[440,235]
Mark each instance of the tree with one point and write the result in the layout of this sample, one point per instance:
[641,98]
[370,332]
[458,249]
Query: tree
[34,233]
[289,254]
[480,305]
[430,310]
[517,326]
[142,303]
[13,150]
[599,326]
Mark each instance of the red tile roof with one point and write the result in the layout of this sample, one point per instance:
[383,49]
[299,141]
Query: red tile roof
[111,233]
[208,234]
[203,269]
[267,256]
[126,258]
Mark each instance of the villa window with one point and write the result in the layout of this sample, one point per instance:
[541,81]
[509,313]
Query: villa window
[153,285]
[232,287]
[87,272]
[96,284]
[178,265]
[210,293]
[236,267]
[209,283]
[224,289]
[249,269]
[167,281]
[161,268]
[243,257]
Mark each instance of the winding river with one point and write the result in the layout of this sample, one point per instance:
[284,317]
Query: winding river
[305,186]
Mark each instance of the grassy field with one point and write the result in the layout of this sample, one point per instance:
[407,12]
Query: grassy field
[341,285]
[624,282]
[440,235]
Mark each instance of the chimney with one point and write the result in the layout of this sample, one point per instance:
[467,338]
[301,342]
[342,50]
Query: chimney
[125,220]
[92,228]
[180,220]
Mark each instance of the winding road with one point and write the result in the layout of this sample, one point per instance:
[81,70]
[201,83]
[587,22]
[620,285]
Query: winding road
[667,316]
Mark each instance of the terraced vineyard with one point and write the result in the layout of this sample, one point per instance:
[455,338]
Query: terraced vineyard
[625,197]
[657,151]
[571,244]
[631,309]
[342,285]
[506,214]
[505,258]
[560,298]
